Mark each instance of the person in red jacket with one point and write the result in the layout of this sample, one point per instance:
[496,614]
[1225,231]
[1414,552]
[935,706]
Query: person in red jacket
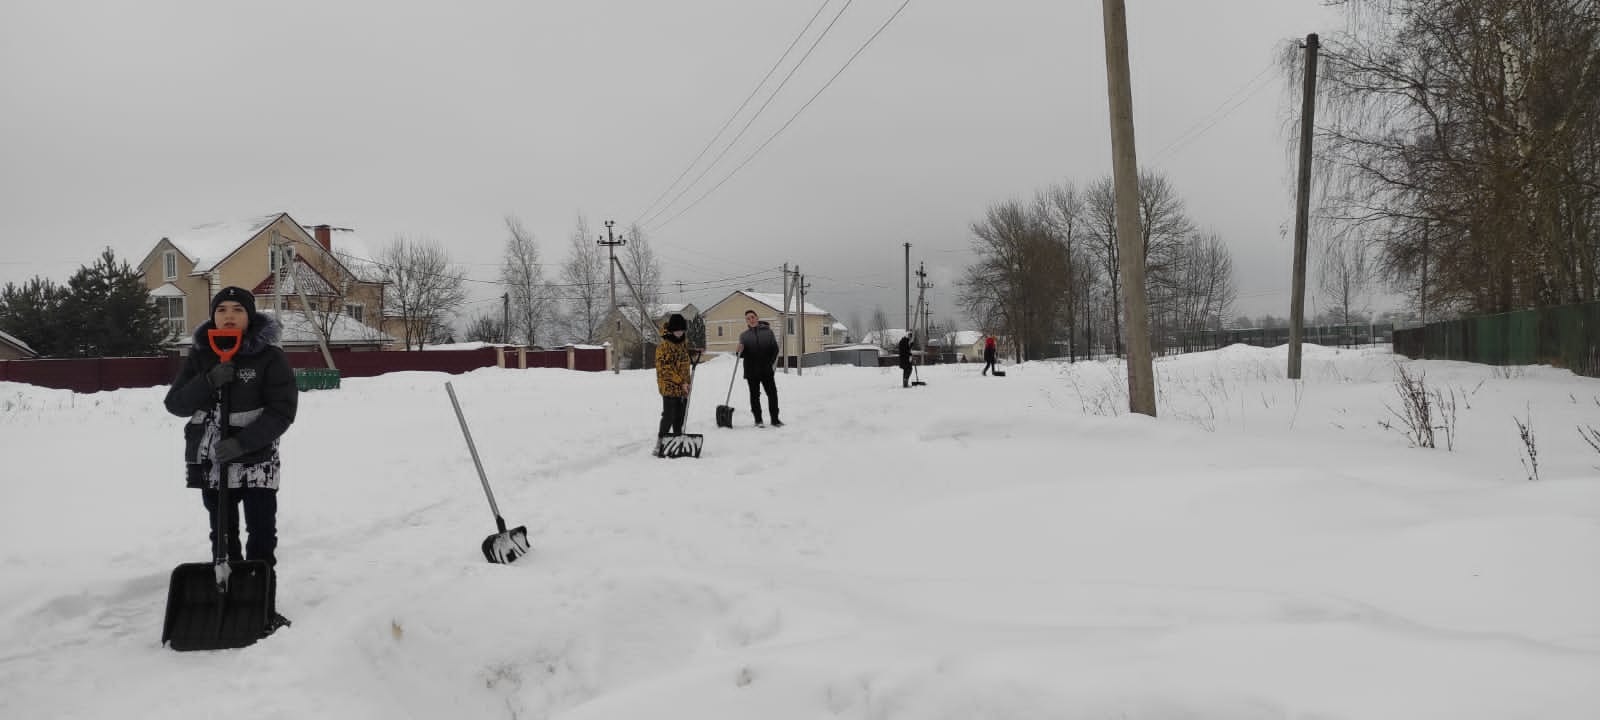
[988,354]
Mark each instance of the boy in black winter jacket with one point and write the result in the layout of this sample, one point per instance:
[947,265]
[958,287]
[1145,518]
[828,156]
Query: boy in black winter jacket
[759,348]
[261,403]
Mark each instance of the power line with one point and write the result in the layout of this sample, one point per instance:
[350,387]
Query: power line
[740,109]
[792,118]
[1254,85]
[758,112]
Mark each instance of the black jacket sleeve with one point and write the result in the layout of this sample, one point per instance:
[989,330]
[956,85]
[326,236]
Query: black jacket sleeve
[190,392]
[280,399]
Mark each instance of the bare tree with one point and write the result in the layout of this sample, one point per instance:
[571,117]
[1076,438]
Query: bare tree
[586,279]
[523,275]
[880,325]
[488,328]
[1164,224]
[1465,135]
[1019,285]
[644,270]
[1344,275]
[1204,285]
[421,287]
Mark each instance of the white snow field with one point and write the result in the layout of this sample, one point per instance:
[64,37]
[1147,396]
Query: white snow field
[1015,547]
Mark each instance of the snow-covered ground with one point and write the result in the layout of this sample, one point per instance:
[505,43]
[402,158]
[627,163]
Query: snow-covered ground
[1015,547]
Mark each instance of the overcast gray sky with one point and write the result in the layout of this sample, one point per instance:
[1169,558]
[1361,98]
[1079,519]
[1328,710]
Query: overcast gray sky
[124,122]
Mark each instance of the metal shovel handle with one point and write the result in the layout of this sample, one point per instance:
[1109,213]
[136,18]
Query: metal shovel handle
[475,461]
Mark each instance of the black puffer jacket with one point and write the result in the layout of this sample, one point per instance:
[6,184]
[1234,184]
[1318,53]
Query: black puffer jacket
[905,351]
[261,402]
[760,351]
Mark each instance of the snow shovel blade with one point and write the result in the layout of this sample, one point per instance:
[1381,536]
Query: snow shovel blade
[202,616]
[725,416]
[677,446]
[506,547]
[999,373]
[917,383]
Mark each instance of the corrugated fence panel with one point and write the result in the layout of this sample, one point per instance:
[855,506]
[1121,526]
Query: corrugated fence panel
[1566,337]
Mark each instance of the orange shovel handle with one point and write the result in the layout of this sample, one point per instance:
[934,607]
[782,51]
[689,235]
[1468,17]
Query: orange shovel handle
[224,354]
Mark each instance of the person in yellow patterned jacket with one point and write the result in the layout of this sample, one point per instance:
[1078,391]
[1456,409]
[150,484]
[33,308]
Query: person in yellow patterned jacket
[672,375]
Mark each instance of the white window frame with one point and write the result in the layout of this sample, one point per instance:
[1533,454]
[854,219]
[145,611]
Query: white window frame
[788,326]
[360,313]
[169,264]
[179,323]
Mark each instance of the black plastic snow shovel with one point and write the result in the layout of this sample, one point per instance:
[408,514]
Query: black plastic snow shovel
[916,377]
[683,444]
[725,410]
[504,546]
[219,604]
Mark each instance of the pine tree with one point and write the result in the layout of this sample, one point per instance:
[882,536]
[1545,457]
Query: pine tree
[107,312]
[31,314]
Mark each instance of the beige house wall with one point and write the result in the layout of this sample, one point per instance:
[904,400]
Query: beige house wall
[729,316]
[10,353]
[248,265]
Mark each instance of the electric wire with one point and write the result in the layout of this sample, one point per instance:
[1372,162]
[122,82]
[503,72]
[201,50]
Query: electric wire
[792,118]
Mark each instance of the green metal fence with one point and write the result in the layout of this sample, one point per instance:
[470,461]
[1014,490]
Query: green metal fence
[1566,337]
[313,379]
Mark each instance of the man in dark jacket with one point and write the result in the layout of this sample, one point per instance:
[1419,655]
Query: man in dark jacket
[759,348]
[988,354]
[905,360]
[262,399]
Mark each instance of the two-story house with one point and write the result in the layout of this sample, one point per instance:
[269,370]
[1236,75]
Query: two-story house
[321,291]
[725,321]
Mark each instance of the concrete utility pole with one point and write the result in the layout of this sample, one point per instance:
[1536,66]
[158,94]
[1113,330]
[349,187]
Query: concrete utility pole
[922,303]
[783,323]
[505,317]
[1297,300]
[1125,171]
[908,286]
[611,242]
[800,282]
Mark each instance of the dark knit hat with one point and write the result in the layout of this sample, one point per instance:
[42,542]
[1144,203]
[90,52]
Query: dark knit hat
[236,294]
[676,322]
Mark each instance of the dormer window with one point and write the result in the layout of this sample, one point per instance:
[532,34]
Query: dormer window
[169,263]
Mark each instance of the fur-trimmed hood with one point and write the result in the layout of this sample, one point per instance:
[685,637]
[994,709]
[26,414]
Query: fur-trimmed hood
[262,333]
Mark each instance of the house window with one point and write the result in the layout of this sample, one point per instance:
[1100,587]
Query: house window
[171,309]
[169,261]
[279,256]
[788,325]
[719,331]
[355,312]
[825,330]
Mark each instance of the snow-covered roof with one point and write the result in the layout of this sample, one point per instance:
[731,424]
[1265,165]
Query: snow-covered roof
[893,336]
[13,340]
[210,243]
[300,330]
[167,290]
[775,301]
[965,337]
[840,326]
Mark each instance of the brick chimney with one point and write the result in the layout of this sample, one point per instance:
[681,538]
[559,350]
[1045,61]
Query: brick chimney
[324,236]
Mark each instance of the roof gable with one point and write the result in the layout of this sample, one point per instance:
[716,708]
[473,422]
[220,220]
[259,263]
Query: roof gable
[771,301]
[13,341]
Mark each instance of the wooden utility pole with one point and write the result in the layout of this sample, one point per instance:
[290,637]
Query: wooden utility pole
[505,318]
[611,242]
[1297,300]
[1125,172]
